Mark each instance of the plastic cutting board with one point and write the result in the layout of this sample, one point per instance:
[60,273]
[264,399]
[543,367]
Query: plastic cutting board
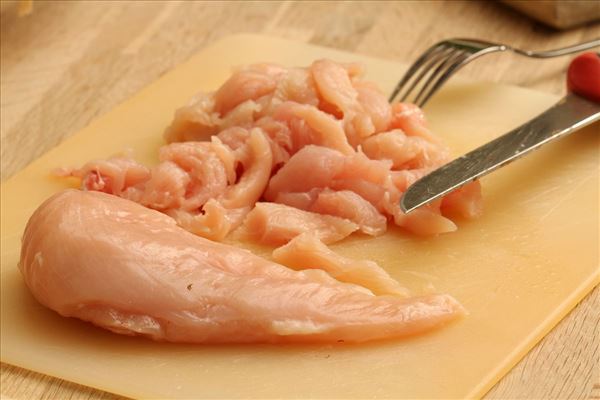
[518,270]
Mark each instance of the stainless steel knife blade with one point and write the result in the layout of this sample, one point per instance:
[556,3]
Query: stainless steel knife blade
[569,114]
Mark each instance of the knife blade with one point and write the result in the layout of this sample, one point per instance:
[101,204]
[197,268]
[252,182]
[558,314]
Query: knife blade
[571,113]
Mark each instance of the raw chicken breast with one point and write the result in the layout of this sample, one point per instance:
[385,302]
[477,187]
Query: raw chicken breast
[292,136]
[375,104]
[247,83]
[424,222]
[411,120]
[307,251]
[277,224]
[133,271]
[195,121]
[215,222]
[323,163]
[206,174]
[349,205]
[257,165]
[331,169]
[309,125]
[405,152]
[335,87]
[115,175]
[298,86]
[465,202]
[301,200]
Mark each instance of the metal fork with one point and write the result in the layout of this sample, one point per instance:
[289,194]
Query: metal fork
[443,59]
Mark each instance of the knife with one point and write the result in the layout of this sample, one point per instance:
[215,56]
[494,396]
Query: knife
[579,108]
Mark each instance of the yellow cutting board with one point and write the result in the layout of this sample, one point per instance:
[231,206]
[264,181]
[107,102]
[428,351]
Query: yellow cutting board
[518,270]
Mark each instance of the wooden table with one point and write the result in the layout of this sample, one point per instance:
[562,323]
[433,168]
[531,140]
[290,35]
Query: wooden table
[68,62]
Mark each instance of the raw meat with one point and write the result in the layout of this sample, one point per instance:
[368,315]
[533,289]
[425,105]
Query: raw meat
[465,202]
[298,157]
[307,251]
[340,96]
[319,139]
[323,163]
[405,152]
[132,270]
[349,205]
[277,224]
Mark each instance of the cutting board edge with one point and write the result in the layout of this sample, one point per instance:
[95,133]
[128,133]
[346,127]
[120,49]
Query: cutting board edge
[487,384]
[513,358]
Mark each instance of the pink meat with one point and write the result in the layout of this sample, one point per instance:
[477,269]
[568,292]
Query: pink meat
[330,168]
[277,224]
[166,188]
[227,157]
[298,86]
[317,139]
[254,179]
[465,202]
[208,176]
[335,87]
[297,157]
[375,104]
[131,270]
[349,205]
[323,163]
[425,221]
[215,222]
[411,120]
[243,115]
[195,121]
[359,166]
[405,152]
[360,178]
[309,125]
[404,178]
[306,251]
[246,84]
[115,175]
[300,200]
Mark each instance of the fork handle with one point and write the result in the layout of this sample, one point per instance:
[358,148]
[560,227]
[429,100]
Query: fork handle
[559,52]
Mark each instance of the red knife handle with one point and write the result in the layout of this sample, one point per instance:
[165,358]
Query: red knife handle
[583,76]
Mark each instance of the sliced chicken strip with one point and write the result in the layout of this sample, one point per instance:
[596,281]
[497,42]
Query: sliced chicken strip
[215,222]
[208,175]
[307,251]
[245,84]
[255,177]
[277,224]
[196,121]
[465,202]
[309,125]
[375,104]
[405,152]
[349,205]
[334,85]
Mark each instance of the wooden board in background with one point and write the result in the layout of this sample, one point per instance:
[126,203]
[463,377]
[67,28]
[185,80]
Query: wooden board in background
[560,14]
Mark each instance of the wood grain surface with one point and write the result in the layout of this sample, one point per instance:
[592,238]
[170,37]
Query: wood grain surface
[69,62]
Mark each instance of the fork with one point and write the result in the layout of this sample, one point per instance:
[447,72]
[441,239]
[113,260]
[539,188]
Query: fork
[443,59]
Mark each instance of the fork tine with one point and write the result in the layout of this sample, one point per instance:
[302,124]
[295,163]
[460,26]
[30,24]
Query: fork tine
[436,48]
[434,67]
[449,72]
[445,70]
[425,72]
